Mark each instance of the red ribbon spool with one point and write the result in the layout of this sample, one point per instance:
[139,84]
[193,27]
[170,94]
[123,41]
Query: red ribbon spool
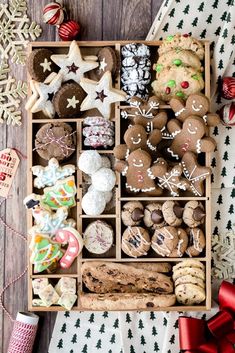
[217,335]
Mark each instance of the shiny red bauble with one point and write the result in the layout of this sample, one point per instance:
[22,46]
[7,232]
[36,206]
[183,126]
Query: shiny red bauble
[228,88]
[69,30]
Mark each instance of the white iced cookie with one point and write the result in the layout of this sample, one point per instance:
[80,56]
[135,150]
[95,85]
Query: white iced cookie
[47,176]
[72,66]
[89,162]
[101,94]
[93,203]
[104,179]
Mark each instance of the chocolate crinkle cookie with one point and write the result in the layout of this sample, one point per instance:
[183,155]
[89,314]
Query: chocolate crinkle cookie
[56,140]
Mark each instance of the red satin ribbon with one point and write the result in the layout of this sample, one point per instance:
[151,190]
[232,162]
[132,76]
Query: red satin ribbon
[217,335]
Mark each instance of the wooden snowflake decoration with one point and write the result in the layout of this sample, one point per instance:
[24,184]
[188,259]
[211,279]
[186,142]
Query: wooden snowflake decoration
[10,93]
[16,30]
[223,255]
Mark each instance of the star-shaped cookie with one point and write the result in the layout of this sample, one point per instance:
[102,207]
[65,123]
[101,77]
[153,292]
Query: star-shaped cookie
[72,66]
[46,93]
[194,173]
[101,94]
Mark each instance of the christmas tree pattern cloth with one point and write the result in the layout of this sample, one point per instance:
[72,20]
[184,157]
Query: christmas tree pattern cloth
[212,20]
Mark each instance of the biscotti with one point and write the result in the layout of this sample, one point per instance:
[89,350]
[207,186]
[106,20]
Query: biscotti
[126,301]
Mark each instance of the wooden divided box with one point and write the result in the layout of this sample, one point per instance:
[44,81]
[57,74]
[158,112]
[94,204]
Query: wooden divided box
[113,215]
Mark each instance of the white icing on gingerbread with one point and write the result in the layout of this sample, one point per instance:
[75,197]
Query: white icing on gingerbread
[198,146]
[195,108]
[179,112]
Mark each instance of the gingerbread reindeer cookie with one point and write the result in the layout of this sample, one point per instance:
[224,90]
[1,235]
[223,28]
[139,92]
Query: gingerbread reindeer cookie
[140,174]
[196,104]
[189,137]
[136,137]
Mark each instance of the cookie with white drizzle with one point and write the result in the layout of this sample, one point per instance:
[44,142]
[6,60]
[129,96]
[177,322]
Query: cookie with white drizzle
[182,245]
[197,104]
[40,65]
[140,172]
[194,173]
[197,242]
[135,242]
[164,240]
[189,137]
[98,237]
[67,101]
[194,214]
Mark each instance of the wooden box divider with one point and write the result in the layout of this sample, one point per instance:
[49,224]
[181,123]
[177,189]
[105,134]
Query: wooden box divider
[114,218]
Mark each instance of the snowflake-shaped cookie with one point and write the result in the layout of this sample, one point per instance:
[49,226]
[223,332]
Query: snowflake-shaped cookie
[172,180]
[15,30]
[223,255]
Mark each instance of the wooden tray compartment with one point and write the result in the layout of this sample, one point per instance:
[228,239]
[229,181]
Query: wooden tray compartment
[34,122]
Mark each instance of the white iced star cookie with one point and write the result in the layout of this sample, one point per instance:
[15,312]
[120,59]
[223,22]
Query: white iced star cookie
[72,66]
[46,93]
[101,95]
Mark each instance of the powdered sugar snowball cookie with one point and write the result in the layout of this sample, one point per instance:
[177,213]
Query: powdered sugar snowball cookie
[106,163]
[194,214]
[132,213]
[181,247]
[164,240]
[135,241]
[197,242]
[107,194]
[172,213]
[93,203]
[89,162]
[98,237]
[104,179]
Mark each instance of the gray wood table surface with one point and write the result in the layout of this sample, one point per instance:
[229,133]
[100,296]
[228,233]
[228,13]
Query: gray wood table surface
[100,20]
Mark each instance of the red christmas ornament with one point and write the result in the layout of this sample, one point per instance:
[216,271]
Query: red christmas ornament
[168,90]
[53,13]
[184,84]
[227,114]
[69,30]
[228,88]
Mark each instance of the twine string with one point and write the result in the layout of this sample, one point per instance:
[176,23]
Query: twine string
[60,141]
[24,238]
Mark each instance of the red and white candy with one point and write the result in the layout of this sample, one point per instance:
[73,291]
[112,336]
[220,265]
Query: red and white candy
[69,30]
[228,88]
[227,114]
[53,13]
[74,240]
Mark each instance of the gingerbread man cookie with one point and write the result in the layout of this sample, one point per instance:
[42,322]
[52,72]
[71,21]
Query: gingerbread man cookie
[189,137]
[139,173]
[196,104]
[136,137]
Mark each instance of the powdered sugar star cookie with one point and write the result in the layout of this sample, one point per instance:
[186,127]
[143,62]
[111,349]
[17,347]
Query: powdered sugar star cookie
[46,93]
[72,66]
[101,94]
[47,176]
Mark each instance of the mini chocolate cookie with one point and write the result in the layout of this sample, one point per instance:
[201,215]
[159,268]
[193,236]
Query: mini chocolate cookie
[135,50]
[132,213]
[197,241]
[172,213]
[135,241]
[56,140]
[98,237]
[138,76]
[68,99]
[130,63]
[153,217]
[108,61]
[164,240]
[40,64]
[194,214]
[182,245]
